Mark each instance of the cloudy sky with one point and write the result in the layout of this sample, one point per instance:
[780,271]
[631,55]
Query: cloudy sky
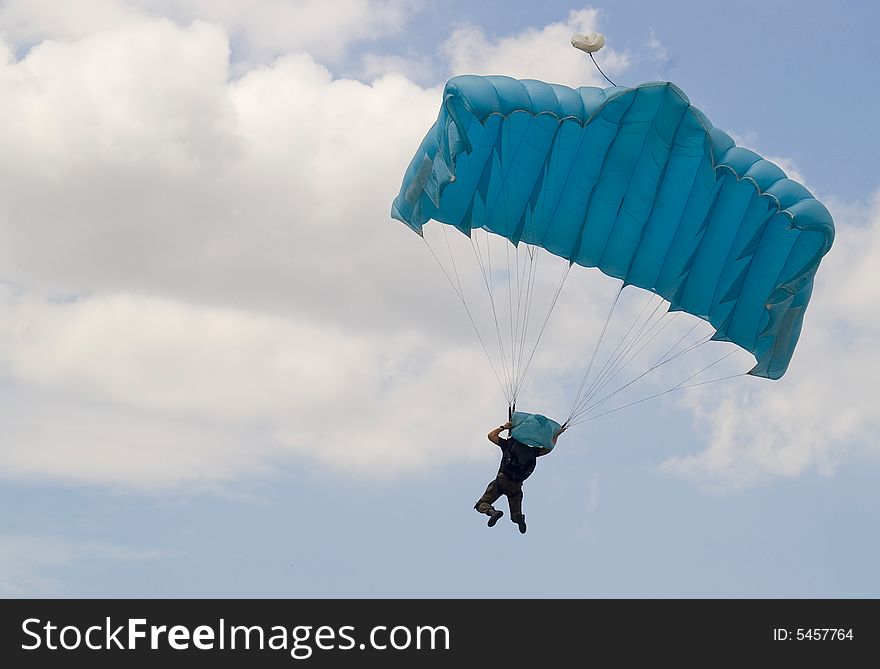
[225,371]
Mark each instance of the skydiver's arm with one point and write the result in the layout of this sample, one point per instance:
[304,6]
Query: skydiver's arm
[495,435]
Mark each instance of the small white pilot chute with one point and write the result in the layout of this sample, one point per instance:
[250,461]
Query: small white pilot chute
[590,42]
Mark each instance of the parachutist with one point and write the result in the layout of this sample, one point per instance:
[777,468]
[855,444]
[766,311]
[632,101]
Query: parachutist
[517,464]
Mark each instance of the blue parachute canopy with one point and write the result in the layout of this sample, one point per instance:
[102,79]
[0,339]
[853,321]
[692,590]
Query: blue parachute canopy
[634,181]
[533,429]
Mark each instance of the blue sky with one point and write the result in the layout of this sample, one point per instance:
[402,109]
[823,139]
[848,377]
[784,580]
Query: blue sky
[224,371]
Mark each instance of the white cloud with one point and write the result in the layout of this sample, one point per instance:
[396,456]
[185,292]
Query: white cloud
[656,48]
[152,174]
[260,31]
[544,53]
[148,392]
[241,291]
[415,67]
[823,412]
[208,282]
[28,22]
[27,562]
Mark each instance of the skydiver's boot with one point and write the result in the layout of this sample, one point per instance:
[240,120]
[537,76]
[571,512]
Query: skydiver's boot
[520,520]
[494,517]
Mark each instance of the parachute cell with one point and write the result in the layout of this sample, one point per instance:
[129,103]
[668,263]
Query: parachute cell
[636,182]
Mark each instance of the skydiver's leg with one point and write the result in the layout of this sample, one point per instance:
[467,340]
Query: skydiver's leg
[484,504]
[513,490]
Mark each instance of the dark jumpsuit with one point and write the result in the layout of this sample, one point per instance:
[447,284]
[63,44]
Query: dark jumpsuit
[517,464]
